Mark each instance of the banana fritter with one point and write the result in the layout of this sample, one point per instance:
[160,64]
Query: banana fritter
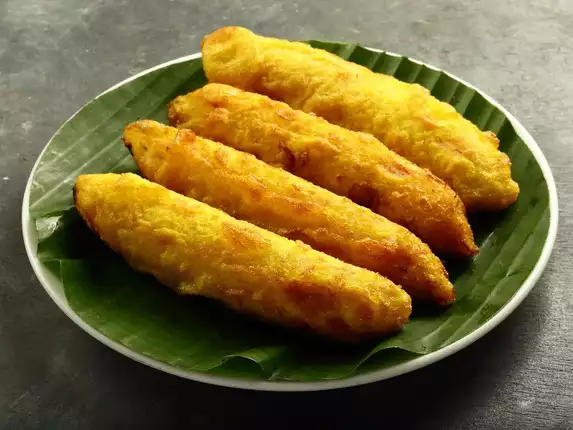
[197,249]
[405,117]
[251,190]
[355,165]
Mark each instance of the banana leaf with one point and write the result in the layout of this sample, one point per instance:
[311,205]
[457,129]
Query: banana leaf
[193,333]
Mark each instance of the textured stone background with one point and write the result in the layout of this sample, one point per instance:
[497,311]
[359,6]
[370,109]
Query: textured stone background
[55,55]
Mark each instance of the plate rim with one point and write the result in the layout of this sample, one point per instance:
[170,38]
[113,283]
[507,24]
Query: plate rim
[30,242]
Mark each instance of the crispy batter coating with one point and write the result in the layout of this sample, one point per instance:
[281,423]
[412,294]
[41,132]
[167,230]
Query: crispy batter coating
[251,190]
[197,249]
[351,164]
[405,117]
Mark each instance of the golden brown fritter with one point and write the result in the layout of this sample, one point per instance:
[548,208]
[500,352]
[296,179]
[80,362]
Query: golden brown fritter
[199,250]
[405,117]
[351,164]
[251,190]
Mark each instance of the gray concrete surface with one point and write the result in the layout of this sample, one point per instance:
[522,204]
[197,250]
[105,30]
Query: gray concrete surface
[55,55]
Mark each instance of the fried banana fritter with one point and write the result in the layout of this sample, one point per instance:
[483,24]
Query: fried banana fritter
[199,250]
[355,165]
[405,117]
[251,190]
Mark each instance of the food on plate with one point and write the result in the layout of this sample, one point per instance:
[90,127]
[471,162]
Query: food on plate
[405,117]
[351,164]
[199,250]
[251,190]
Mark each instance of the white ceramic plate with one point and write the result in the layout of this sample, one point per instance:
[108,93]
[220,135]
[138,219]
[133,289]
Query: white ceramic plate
[54,288]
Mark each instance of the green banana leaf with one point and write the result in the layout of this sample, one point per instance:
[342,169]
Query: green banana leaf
[193,333]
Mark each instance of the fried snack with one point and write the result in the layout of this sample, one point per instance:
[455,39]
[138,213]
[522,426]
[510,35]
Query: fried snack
[405,117]
[351,164]
[253,191]
[199,250]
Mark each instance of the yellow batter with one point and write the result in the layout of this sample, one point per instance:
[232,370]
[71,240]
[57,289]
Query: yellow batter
[251,190]
[197,249]
[405,117]
[355,165]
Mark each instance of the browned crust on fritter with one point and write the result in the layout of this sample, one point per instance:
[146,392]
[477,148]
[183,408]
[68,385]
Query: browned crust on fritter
[249,189]
[405,117]
[355,165]
[197,249]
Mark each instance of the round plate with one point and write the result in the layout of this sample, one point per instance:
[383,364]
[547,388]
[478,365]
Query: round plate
[55,289]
